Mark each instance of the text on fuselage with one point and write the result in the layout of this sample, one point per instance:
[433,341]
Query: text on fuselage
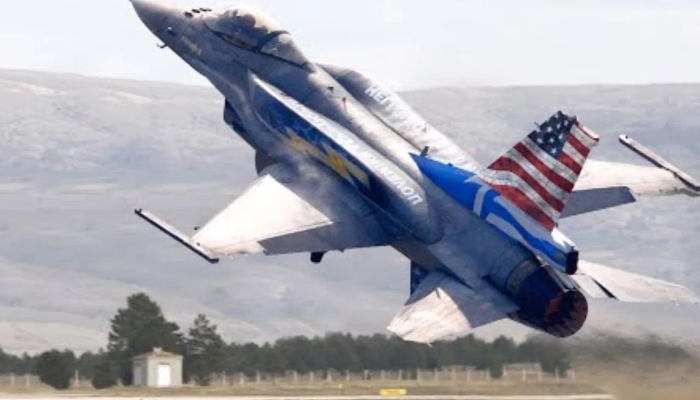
[396,110]
[365,156]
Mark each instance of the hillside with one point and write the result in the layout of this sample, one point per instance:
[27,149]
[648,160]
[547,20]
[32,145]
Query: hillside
[77,154]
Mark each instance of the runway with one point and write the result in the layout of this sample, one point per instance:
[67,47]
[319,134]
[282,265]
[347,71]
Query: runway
[602,396]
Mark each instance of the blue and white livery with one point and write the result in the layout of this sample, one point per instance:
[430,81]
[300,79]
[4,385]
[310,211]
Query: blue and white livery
[336,169]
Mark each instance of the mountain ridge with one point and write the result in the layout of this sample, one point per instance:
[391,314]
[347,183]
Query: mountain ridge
[79,154]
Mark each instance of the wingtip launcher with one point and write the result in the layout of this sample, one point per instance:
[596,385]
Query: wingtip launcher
[691,183]
[177,235]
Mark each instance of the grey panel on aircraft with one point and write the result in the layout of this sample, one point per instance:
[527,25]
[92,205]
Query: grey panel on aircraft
[600,281]
[585,201]
[442,308]
[289,211]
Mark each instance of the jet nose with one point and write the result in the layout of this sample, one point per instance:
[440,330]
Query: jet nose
[153,13]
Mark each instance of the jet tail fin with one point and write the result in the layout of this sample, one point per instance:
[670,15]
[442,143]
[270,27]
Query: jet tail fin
[539,173]
[494,208]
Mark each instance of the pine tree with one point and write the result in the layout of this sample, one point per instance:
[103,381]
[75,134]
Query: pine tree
[136,330]
[206,351]
[55,368]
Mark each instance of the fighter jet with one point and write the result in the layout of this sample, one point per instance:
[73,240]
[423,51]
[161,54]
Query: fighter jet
[344,163]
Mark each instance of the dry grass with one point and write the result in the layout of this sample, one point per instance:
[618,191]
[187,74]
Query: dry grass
[322,388]
[627,381]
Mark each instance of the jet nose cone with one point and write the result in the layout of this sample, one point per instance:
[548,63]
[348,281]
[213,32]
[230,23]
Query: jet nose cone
[153,13]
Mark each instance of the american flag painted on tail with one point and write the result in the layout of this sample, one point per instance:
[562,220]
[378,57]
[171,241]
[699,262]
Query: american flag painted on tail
[538,174]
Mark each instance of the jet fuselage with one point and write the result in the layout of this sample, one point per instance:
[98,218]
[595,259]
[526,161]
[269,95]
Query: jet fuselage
[291,110]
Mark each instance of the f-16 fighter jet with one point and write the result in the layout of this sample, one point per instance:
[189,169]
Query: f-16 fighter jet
[344,163]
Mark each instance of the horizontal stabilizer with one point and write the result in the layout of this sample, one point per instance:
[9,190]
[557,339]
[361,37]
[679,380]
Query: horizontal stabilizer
[585,201]
[442,308]
[600,281]
[692,184]
[606,184]
[177,235]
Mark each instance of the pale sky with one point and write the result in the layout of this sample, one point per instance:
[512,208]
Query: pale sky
[403,43]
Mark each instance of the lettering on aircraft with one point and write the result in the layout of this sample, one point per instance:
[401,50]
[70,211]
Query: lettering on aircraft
[396,113]
[346,168]
[365,155]
[396,109]
[398,182]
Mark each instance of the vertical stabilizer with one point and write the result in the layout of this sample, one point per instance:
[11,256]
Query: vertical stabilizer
[539,173]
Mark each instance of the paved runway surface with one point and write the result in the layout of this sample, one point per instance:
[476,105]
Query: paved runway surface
[448,397]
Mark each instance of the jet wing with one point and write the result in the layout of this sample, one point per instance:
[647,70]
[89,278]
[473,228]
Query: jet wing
[442,308]
[604,184]
[286,211]
[600,281]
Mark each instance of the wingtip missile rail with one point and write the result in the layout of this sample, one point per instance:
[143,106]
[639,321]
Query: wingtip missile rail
[691,183]
[174,233]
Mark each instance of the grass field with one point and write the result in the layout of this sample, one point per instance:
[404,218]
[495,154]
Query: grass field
[626,381]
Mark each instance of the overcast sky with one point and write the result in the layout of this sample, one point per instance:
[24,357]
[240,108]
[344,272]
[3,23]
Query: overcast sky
[406,44]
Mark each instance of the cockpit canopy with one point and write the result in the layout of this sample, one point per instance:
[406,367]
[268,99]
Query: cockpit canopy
[250,29]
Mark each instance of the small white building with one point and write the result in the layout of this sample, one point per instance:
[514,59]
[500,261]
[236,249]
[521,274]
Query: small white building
[157,369]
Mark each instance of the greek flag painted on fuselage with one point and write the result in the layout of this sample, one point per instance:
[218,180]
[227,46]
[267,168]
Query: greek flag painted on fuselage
[474,194]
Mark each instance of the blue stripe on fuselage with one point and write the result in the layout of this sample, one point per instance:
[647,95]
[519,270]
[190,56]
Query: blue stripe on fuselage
[464,187]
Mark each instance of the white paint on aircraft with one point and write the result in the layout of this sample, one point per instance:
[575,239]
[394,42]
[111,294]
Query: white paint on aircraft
[397,110]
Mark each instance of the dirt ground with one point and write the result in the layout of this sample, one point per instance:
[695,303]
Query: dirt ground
[637,381]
